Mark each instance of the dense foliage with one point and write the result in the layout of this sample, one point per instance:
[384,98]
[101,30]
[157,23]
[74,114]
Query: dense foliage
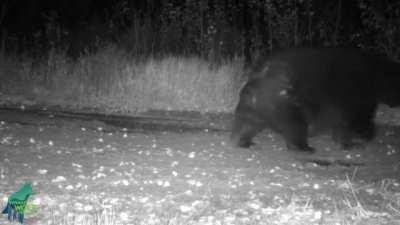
[212,29]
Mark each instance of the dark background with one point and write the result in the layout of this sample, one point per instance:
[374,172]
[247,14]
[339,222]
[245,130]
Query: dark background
[213,29]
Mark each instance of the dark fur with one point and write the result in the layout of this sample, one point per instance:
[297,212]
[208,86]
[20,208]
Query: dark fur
[298,91]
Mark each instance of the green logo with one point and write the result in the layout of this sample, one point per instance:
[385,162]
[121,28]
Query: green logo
[17,205]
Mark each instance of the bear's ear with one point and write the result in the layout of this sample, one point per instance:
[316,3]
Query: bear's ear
[276,68]
[263,72]
[271,68]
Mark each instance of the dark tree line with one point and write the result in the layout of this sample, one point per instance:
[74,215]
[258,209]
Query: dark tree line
[214,29]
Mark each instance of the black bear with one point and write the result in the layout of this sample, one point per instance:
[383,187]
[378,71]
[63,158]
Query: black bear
[298,91]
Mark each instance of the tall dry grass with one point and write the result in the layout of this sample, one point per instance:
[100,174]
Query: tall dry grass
[110,81]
